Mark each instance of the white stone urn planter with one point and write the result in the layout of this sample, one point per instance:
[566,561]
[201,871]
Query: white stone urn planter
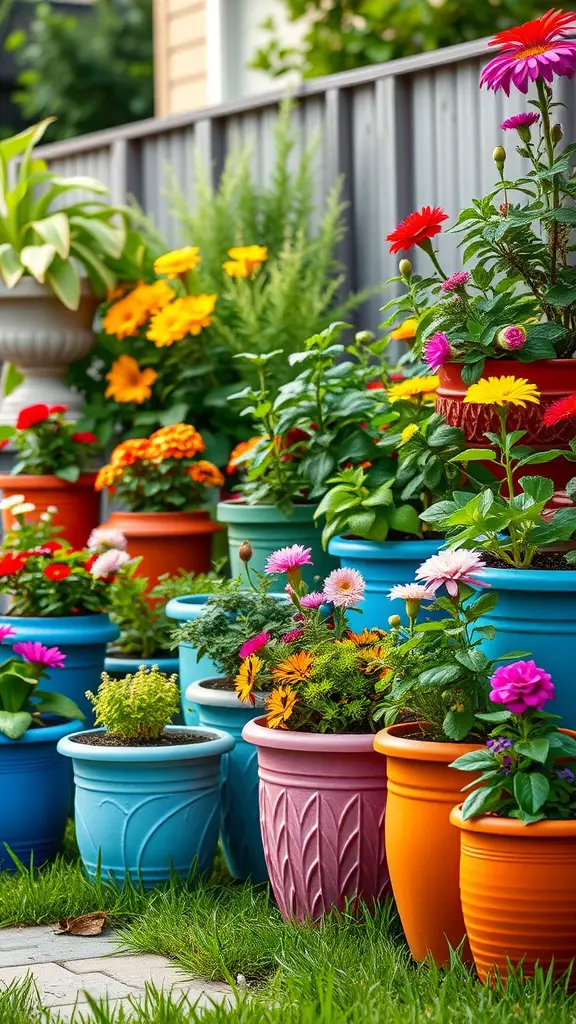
[40,336]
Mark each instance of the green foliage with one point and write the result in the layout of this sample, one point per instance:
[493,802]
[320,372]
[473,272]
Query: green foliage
[137,707]
[22,704]
[51,446]
[91,72]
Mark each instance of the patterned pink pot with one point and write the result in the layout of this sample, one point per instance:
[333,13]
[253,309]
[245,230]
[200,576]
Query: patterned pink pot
[322,802]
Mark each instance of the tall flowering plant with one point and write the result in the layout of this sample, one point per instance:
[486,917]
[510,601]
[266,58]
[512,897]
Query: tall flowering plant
[23,705]
[518,298]
[46,443]
[161,473]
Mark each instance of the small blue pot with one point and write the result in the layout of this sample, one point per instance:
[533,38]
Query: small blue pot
[536,612]
[147,812]
[122,666]
[182,609]
[240,821]
[82,638]
[383,565]
[35,801]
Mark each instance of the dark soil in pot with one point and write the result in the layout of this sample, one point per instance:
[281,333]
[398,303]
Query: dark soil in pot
[218,683]
[167,739]
[543,560]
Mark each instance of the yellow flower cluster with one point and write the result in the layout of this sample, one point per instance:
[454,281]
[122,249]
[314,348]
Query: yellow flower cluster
[414,387]
[179,441]
[183,316]
[245,260]
[133,310]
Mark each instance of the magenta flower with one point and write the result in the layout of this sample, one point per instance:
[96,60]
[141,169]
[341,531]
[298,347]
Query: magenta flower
[253,645]
[292,635]
[520,121]
[437,351]
[36,654]
[458,280]
[344,588]
[313,600]
[512,338]
[520,686]
[536,49]
[288,559]
[6,631]
[449,568]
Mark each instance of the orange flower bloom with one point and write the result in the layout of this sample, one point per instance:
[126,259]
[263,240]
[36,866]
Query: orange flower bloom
[197,310]
[152,297]
[204,472]
[182,317]
[124,318]
[107,477]
[246,678]
[128,452]
[367,636]
[180,441]
[245,260]
[295,669]
[177,262]
[238,451]
[128,383]
[280,705]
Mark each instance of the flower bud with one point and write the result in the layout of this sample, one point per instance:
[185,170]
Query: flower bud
[556,133]
[511,338]
[395,622]
[364,337]
[405,268]
[499,157]
[245,551]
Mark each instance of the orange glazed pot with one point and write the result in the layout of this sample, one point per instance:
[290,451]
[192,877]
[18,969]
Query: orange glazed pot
[518,888]
[78,503]
[421,846]
[167,541]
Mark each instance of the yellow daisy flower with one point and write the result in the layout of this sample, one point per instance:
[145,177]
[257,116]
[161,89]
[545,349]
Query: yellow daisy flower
[280,705]
[177,262]
[408,432]
[295,669]
[406,331]
[503,391]
[245,260]
[246,678]
[128,383]
[414,387]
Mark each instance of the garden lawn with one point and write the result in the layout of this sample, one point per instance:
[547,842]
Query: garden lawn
[351,971]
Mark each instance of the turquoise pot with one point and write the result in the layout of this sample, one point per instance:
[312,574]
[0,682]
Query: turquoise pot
[82,638]
[240,833]
[122,666]
[147,812]
[182,609]
[383,565]
[36,792]
[266,529]
[536,612]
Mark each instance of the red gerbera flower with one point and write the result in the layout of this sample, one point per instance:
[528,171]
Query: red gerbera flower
[417,228]
[85,437]
[32,415]
[58,408]
[533,50]
[51,546]
[10,564]
[563,409]
[57,571]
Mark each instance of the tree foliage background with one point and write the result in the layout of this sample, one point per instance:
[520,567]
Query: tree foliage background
[345,34]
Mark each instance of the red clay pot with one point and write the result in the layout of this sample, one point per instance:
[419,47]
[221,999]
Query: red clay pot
[554,378]
[78,503]
[167,541]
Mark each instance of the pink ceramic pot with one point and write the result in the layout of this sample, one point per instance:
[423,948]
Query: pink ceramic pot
[322,801]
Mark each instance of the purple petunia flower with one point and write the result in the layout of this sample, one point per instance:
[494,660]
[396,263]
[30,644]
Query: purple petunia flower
[566,773]
[498,745]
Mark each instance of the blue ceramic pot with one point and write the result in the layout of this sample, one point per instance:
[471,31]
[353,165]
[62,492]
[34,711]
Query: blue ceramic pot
[82,638]
[35,801]
[182,609]
[147,812]
[122,666]
[240,821]
[383,565]
[536,612]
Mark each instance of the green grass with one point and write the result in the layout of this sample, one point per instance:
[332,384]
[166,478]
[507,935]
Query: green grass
[353,970]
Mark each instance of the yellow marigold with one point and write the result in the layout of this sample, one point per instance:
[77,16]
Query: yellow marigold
[152,297]
[372,658]
[128,452]
[295,669]
[124,318]
[177,262]
[280,705]
[245,260]
[238,451]
[408,432]
[128,383]
[179,441]
[406,331]
[197,310]
[246,678]
[168,325]
[503,391]
[107,477]
[206,473]
[414,387]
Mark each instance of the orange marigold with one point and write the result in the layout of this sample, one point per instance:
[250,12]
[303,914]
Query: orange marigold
[180,441]
[182,317]
[152,297]
[128,452]
[124,318]
[107,477]
[295,669]
[245,260]
[238,451]
[206,473]
[367,636]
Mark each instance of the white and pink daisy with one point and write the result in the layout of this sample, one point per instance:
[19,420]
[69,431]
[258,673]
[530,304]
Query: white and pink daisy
[37,654]
[256,643]
[288,559]
[108,563]
[411,592]
[344,588]
[103,537]
[449,568]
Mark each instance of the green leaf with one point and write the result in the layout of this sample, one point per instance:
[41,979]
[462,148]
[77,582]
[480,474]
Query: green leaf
[70,473]
[495,717]
[63,279]
[561,295]
[383,495]
[540,488]
[10,265]
[531,790]
[58,704]
[175,414]
[55,230]
[536,749]
[473,660]
[361,523]
[110,238]
[475,455]
[481,801]
[14,724]
[457,724]
[405,519]
[440,676]
[474,761]
[12,379]
[37,259]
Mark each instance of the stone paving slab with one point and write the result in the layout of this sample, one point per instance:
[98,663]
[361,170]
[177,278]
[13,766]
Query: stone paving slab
[40,944]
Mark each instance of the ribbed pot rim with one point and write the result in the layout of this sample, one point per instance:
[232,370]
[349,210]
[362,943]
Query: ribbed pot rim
[76,629]
[257,732]
[386,550]
[491,824]
[199,693]
[51,734]
[239,511]
[40,482]
[534,580]
[220,743]
[394,742]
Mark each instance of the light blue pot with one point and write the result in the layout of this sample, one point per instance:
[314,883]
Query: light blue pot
[182,609]
[383,565]
[147,812]
[82,638]
[122,666]
[536,612]
[240,821]
[35,800]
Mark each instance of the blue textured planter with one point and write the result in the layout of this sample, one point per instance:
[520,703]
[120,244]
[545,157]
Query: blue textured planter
[147,812]
[35,800]
[536,612]
[82,638]
[383,565]
[122,666]
[240,821]
[182,609]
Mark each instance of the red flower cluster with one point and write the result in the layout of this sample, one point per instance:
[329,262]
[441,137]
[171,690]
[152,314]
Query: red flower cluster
[33,415]
[558,412]
[416,228]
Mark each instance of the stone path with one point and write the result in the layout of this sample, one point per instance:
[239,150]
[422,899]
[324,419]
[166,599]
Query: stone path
[65,967]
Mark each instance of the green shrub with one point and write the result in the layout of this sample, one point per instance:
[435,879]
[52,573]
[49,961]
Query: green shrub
[137,707]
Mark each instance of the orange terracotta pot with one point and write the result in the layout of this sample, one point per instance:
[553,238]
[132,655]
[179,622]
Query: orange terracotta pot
[167,541]
[421,846]
[518,888]
[78,503]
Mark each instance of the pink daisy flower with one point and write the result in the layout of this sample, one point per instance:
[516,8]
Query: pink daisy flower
[108,563]
[37,654]
[449,568]
[292,635]
[437,351]
[313,600]
[344,588]
[287,559]
[103,537]
[520,121]
[6,631]
[536,49]
[410,592]
[253,645]
[458,280]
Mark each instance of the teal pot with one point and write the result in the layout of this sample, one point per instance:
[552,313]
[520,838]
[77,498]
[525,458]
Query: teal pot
[121,666]
[266,529]
[35,801]
[147,812]
[191,669]
[536,613]
[240,821]
[82,638]
[383,564]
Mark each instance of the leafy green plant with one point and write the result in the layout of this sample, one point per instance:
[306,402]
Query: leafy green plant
[47,443]
[137,707]
[22,704]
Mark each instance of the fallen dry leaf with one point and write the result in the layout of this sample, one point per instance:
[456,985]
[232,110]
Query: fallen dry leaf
[88,924]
